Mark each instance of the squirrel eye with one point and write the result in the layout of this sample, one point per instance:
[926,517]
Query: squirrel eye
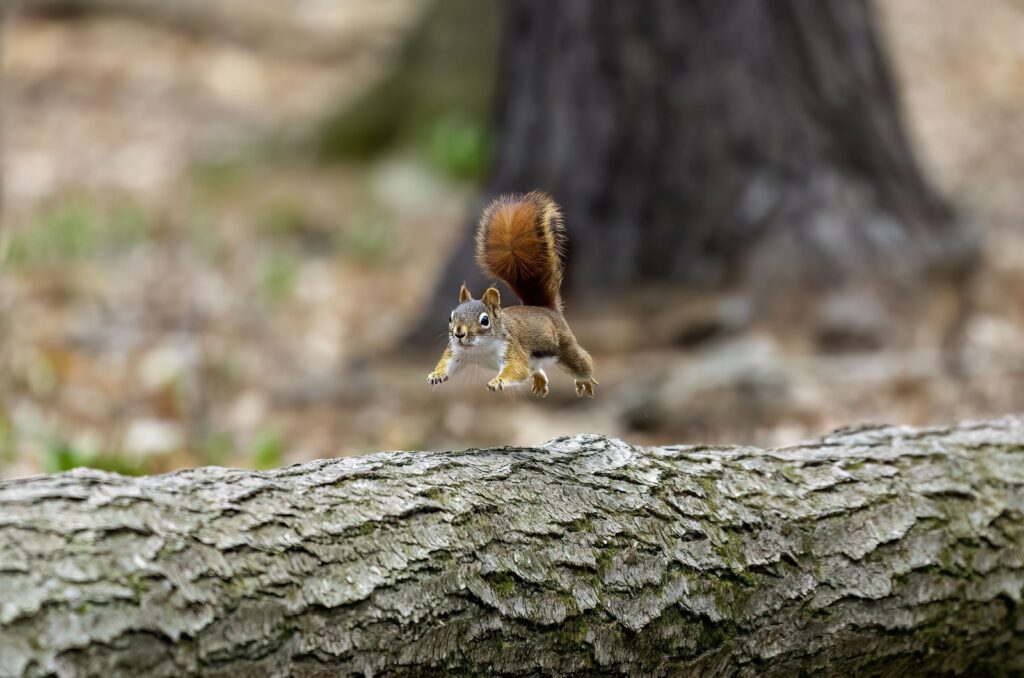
[451,318]
[484,320]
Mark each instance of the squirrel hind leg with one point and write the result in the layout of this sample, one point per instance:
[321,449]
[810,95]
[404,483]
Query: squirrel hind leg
[585,387]
[579,364]
[540,383]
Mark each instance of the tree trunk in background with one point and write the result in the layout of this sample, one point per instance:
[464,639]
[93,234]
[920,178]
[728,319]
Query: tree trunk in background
[876,551]
[708,143]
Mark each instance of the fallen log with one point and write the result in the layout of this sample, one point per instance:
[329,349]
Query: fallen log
[873,550]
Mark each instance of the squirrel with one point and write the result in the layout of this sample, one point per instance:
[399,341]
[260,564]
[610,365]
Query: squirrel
[520,239]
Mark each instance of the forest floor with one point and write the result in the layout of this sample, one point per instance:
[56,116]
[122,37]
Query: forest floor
[173,294]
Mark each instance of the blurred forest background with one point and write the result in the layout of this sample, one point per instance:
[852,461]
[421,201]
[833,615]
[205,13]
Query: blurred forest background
[233,238]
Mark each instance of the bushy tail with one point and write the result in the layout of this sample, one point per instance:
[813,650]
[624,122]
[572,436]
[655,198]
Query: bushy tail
[521,240]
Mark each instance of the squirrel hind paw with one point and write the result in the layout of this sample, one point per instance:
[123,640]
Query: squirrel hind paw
[585,387]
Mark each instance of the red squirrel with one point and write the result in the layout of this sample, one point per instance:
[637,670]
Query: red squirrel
[520,239]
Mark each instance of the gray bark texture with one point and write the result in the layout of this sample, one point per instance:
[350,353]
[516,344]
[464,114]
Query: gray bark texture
[873,551]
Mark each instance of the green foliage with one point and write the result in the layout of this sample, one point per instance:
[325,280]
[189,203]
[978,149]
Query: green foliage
[288,223]
[67,232]
[373,123]
[8,440]
[438,97]
[215,177]
[201,230]
[216,449]
[127,225]
[280,271]
[284,218]
[369,238]
[75,230]
[267,452]
[60,456]
[461,147]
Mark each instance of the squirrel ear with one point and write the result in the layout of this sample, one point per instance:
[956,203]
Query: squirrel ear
[491,298]
[464,294]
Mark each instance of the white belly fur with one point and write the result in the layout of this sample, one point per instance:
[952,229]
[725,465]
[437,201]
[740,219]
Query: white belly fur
[489,354]
[538,364]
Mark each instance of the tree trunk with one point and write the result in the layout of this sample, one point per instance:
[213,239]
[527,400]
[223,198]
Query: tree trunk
[708,143]
[875,550]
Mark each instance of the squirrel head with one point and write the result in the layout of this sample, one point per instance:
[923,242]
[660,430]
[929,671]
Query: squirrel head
[475,320]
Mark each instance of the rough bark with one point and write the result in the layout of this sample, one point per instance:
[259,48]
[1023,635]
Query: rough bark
[875,550]
[708,143]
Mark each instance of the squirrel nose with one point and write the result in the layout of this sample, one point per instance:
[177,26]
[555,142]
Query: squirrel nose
[460,332]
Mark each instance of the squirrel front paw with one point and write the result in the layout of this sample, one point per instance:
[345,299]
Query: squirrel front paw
[435,378]
[585,387]
[496,384]
[540,385]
